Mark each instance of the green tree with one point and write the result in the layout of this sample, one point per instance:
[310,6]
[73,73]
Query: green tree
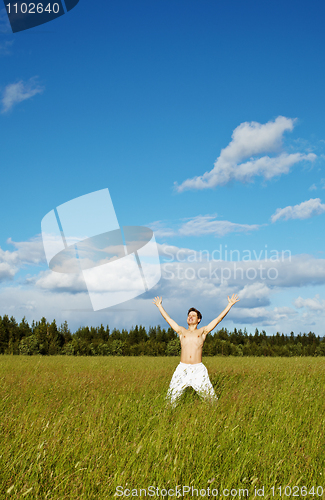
[173,348]
[24,329]
[152,333]
[161,335]
[4,334]
[29,346]
[55,338]
[41,333]
[115,335]
[117,347]
[137,335]
[65,331]
[14,336]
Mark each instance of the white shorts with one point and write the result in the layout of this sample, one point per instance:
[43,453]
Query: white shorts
[195,376]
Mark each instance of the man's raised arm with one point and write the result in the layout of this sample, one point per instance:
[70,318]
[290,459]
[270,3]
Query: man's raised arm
[157,301]
[213,324]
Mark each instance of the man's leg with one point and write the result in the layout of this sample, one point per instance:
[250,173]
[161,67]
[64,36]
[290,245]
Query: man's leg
[202,385]
[177,384]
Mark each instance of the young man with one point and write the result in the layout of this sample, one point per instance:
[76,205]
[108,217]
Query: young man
[191,371]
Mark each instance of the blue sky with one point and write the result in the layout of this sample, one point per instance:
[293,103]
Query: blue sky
[142,98]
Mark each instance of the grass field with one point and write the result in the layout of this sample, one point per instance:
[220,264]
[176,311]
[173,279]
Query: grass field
[79,427]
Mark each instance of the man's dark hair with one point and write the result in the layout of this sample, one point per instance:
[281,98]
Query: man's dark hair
[199,315]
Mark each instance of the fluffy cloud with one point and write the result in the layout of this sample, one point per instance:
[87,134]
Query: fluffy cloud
[9,265]
[255,294]
[262,316]
[297,271]
[29,252]
[248,141]
[189,278]
[315,304]
[7,269]
[18,92]
[304,210]
[26,253]
[204,279]
[59,282]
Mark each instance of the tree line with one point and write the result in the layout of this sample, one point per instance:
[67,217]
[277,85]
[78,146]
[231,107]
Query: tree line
[42,337]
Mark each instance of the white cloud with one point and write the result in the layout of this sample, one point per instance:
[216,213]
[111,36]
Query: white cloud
[29,252]
[248,141]
[34,303]
[313,187]
[262,316]
[210,297]
[18,92]
[8,265]
[304,210]
[255,294]
[59,282]
[199,226]
[189,278]
[7,269]
[315,304]
[160,230]
[274,270]
[26,253]
[205,224]
[279,269]
[302,270]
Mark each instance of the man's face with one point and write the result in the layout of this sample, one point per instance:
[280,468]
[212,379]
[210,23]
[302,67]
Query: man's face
[192,318]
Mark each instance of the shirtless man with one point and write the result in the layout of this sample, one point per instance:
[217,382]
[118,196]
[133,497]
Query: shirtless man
[191,371]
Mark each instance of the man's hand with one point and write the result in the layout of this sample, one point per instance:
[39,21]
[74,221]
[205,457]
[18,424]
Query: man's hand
[158,300]
[233,299]
[215,322]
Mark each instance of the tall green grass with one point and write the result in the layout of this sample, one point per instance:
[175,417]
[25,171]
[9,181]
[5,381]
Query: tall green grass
[76,428]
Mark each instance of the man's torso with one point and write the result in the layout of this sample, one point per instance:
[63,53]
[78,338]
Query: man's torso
[192,345]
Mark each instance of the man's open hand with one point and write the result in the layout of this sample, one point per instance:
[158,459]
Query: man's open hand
[157,301]
[233,299]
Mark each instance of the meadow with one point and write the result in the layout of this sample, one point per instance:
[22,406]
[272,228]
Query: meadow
[98,427]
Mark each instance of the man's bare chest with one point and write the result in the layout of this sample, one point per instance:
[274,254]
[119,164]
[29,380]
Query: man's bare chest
[191,339]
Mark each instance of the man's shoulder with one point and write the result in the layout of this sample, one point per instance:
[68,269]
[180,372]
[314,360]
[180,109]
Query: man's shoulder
[202,330]
[180,330]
